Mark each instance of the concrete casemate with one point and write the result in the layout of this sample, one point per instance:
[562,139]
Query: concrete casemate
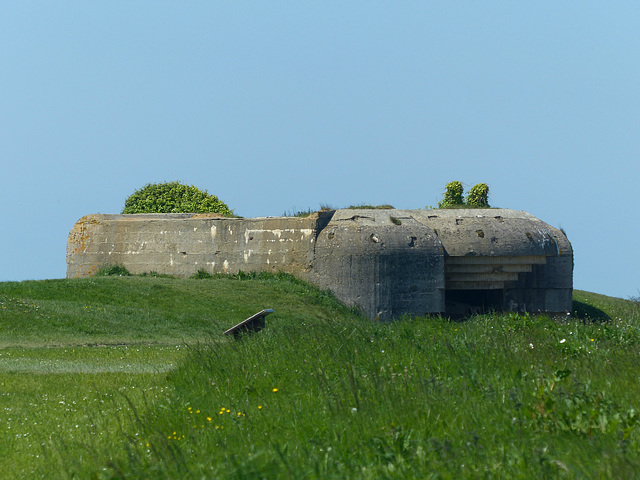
[387,262]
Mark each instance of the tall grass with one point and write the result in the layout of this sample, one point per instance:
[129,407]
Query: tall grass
[77,356]
[503,396]
[319,393]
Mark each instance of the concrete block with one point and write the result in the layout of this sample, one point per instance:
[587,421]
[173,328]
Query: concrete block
[388,262]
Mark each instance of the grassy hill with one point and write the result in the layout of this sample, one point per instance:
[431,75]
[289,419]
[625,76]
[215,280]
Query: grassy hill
[130,377]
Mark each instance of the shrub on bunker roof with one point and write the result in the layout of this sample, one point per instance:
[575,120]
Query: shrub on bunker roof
[478,196]
[452,195]
[174,197]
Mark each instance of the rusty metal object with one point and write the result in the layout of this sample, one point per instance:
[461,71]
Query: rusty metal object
[254,323]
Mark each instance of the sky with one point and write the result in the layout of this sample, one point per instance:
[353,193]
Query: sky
[276,107]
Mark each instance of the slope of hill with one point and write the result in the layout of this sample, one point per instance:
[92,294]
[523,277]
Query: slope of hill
[126,310]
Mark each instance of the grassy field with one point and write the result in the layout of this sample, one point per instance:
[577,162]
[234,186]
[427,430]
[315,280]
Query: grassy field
[130,377]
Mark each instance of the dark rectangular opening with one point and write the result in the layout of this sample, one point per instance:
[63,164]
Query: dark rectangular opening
[462,303]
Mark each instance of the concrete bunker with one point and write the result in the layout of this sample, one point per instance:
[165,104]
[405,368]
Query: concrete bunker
[387,262]
[502,260]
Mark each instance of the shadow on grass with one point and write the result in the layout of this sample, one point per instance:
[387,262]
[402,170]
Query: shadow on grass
[589,312]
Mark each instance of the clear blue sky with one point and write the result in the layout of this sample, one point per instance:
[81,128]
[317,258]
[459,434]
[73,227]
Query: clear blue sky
[281,106]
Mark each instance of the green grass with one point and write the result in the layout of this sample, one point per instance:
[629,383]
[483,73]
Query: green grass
[497,396]
[366,206]
[130,377]
[75,353]
[308,212]
[123,310]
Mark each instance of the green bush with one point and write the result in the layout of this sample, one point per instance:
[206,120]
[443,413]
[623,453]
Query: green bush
[113,271]
[174,197]
[201,274]
[452,195]
[478,196]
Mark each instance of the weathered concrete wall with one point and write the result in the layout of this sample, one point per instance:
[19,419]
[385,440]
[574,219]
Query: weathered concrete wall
[183,244]
[530,261]
[388,265]
[490,232]
[387,262]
